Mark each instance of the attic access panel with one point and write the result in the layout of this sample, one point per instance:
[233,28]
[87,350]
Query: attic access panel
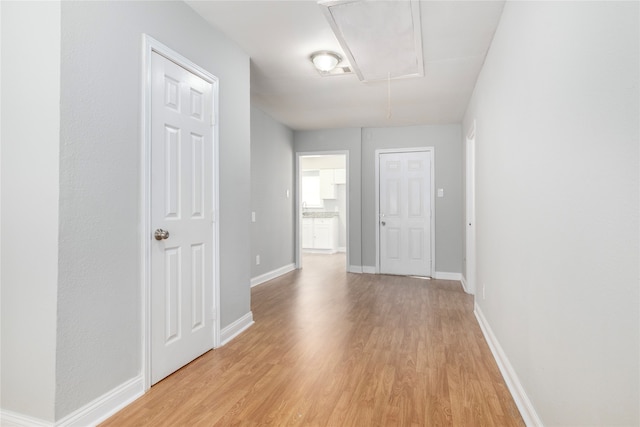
[381,39]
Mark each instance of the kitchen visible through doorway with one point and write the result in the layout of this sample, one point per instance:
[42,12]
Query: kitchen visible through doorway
[322,204]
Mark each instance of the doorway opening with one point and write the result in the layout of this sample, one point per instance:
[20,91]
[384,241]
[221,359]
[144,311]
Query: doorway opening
[322,207]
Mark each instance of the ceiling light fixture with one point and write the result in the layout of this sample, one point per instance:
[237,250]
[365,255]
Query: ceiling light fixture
[325,60]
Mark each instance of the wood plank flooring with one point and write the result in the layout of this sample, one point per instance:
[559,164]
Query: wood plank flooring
[331,348]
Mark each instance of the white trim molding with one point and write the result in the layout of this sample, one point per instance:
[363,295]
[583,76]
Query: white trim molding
[369,269]
[236,328]
[90,414]
[528,412]
[14,419]
[354,269]
[258,280]
[463,280]
[443,275]
[105,406]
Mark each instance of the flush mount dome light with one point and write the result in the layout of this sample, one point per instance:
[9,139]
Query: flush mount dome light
[325,60]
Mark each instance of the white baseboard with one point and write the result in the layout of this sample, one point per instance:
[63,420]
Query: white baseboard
[354,269]
[342,249]
[258,280]
[320,251]
[14,419]
[236,328]
[463,280]
[91,414]
[523,403]
[105,406]
[368,269]
[443,275]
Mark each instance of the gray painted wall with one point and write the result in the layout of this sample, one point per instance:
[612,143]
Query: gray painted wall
[99,283]
[272,174]
[557,110]
[29,227]
[446,140]
[91,59]
[347,139]
[361,144]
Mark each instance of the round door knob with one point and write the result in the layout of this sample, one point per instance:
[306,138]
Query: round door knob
[161,234]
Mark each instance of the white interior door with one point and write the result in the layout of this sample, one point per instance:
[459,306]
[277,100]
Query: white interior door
[405,213]
[182,206]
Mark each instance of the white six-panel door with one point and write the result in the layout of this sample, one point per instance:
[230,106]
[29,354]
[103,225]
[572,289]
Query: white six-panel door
[181,205]
[405,213]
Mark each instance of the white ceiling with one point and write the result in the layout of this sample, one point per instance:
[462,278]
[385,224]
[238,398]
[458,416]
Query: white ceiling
[279,36]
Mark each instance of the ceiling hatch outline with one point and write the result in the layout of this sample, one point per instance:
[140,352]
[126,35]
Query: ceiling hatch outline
[381,39]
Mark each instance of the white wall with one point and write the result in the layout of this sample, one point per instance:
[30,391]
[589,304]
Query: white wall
[272,175]
[30,156]
[558,187]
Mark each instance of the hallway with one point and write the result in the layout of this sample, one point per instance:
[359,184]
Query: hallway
[331,348]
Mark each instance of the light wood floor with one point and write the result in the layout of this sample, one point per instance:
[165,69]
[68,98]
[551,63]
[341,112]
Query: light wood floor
[331,348]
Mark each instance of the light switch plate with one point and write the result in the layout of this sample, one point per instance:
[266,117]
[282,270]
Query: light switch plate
[440,192]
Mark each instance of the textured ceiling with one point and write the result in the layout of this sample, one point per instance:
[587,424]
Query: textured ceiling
[279,36]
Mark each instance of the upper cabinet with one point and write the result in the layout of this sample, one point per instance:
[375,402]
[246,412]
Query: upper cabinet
[328,180]
[327,186]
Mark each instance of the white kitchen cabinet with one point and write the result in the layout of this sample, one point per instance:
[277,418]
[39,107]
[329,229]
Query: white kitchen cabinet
[320,234]
[327,186]
[339,176]
[307,233]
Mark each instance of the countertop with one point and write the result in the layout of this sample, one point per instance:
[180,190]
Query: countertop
[319,214]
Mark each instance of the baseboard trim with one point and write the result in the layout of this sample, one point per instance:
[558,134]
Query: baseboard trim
[258,280]
[518,393]
[342,249]
[14,419]
[463,280]
[91,414]
[443,275]
[105,406]
[236,328]
[368,269]
[354,269]
[320,251]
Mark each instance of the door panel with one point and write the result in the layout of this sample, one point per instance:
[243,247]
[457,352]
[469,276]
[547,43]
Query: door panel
[405,213]
[181,203]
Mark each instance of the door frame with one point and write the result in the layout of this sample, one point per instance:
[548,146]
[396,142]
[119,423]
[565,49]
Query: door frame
[432,221]
[298,200]
[469,282]
[150,46]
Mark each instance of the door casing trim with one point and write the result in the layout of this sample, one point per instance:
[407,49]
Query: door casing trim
[470,211]
[149,46]
[432,224]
